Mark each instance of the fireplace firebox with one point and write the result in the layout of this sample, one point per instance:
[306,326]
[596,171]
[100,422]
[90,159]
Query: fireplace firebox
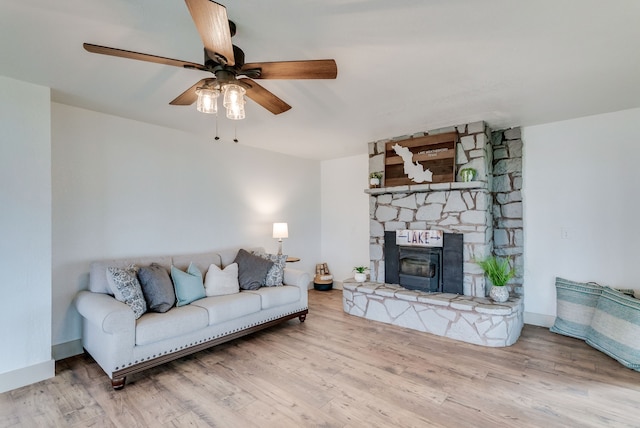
[420,268]
[424,268]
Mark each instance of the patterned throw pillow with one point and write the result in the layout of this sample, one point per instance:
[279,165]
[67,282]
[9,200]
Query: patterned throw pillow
[576,303]
[615,327]
[126,288]
[275,276]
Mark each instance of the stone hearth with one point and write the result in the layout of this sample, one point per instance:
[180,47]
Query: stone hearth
[469,319]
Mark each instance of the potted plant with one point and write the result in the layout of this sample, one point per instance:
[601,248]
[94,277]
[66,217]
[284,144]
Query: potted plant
[360,275]
[467,174]
[499,273]
[375,178]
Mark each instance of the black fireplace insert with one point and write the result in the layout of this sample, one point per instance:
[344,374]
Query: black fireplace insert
[429,269]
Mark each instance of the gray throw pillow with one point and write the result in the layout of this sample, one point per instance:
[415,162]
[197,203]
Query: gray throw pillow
[157,288]
[252,270]
[275,276]
[126,288]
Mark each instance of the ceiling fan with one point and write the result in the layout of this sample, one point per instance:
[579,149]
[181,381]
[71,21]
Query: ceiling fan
[233,77]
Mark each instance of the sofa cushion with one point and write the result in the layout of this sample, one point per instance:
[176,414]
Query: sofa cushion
[252,270]
[157,288]
[153,327]
[615,327]
[126,288]
[188,285]
[219,282]
[229,307]
[275,275]
[271,297]
[576,303]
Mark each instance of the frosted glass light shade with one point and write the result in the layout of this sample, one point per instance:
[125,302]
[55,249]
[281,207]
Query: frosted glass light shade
[236,112]
[234,101]
[207,100]
[233,95]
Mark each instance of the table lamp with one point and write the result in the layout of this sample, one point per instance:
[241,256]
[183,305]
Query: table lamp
[280,230]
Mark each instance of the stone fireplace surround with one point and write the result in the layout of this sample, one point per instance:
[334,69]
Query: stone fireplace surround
[459,207]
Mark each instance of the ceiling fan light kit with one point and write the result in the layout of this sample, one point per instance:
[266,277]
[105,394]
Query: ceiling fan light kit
[226,62]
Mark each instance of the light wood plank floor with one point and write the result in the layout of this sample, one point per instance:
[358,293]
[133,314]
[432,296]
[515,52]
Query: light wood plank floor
[336,370]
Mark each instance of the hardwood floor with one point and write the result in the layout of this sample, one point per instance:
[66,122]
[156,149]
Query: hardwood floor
[336,370]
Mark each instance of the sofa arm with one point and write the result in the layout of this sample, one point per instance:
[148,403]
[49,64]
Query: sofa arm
[106,312]
[297,277]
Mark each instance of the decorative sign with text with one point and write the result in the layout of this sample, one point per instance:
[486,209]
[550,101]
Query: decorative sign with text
[419,238]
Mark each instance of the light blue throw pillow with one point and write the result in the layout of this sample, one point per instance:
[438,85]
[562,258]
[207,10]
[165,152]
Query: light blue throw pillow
[576,303]
[615,327]
[188,285]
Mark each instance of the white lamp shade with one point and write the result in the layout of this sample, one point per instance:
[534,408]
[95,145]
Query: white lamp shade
[280,230]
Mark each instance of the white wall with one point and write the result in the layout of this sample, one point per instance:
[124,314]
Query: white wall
[25,234]
[123,188]
[580,176]
[345,215]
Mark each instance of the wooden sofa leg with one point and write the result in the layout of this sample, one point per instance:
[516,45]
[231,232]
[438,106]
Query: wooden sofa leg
[302,317]
[118,383]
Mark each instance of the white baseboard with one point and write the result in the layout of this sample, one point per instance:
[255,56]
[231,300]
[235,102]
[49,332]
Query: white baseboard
[67,349]
[27,375]
[540,320]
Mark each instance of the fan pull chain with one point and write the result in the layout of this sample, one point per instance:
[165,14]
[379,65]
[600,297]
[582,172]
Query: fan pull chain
[235,133]
[217,138]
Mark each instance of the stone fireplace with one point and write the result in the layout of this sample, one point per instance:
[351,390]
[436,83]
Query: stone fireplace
[458,208]
[486,217]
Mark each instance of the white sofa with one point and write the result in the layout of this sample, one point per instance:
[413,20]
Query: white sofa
[122,345]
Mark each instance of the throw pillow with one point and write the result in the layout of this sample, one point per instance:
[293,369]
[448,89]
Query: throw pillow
[576,303]
[275,276]
[615,327]
[188,285]
[157,288]
[220,282]
[252,270]
[126,288]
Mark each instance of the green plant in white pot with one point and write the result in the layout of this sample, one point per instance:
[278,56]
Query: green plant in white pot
[375,178]
[360,273]
[499,273]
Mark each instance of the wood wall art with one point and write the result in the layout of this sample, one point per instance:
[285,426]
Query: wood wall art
[421,160]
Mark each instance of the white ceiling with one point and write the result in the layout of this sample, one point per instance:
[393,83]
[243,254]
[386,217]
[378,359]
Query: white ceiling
[403,66]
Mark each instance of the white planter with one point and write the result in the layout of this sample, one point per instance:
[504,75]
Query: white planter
[374,182]
[360,277]
[499,294]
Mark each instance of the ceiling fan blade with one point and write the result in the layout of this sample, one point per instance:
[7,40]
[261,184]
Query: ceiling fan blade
[140,56]
[213,25]
[189,96]
[313,69]
[263,97]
